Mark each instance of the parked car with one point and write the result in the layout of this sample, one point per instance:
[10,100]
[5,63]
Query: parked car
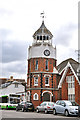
[65,107]
[45,106]
[25,106]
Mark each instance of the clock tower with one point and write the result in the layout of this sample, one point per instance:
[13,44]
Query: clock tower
[42,76]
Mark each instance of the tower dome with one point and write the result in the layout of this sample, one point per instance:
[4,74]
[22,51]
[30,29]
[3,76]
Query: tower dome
[42,33]
[42,44]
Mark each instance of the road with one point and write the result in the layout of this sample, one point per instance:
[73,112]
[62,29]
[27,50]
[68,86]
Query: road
[13,115]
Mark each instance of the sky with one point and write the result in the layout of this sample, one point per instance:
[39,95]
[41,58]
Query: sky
[19,19]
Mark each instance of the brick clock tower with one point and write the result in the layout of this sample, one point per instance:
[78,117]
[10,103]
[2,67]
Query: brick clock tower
[42,76]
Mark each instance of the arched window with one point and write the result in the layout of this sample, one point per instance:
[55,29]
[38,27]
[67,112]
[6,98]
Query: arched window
[36,81]
[46,81]
[35,96]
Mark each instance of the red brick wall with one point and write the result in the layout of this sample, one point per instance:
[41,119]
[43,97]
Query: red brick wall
[41,64]
[41,68]
[65,89]
[38,102]
[35,102]
[55,81]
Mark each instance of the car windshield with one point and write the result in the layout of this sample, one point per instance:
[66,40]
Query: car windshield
[68,103]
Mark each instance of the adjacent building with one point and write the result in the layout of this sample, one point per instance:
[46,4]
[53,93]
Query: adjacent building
[69,82]
[13,86]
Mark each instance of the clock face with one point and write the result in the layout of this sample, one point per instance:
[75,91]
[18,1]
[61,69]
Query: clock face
[46,52]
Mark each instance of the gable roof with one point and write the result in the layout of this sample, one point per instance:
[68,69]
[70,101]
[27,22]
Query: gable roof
[64,66]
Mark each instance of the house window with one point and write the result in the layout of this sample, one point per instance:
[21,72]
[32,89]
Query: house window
[40,37]
[71,97]
[70,79]
[35,81]
[71,82]
[54,63]
[36,67]
[46,64]
[37,37]
[47,37]
[71,85]
[16,85]
[43,37]
[46,81]
[35,96]
[28,82]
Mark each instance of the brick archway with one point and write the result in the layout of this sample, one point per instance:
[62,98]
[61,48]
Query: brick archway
[46,96]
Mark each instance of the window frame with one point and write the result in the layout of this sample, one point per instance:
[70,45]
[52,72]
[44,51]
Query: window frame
[16,85]
[71,97]
[36,84]
[34,96]
[71,81]
[45,81]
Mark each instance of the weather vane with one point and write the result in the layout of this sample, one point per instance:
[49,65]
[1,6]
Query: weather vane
[42,15]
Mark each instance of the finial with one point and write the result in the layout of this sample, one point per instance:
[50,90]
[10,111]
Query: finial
[42,15]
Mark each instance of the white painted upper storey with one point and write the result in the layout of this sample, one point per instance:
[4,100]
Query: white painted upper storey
[42,44]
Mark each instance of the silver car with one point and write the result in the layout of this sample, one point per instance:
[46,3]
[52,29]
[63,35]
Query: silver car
[45,106]
[65,107]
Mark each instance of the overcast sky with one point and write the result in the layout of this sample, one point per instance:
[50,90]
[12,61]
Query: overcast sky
[19,19]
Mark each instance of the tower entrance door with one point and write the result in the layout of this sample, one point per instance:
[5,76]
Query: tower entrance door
[46,96]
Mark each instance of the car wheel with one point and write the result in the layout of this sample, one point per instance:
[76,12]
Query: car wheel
[66,113]
[22,109]
[46,111]
[54,112]
[37,110]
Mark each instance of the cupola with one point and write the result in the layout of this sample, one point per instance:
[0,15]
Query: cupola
[42,35]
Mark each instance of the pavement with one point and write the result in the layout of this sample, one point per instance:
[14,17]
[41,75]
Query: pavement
[13,115]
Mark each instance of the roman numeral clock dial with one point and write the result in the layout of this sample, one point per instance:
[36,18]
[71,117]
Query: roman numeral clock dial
[46,52]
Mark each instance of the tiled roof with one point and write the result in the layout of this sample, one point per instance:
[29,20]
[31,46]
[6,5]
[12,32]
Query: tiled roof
[63,64]
[42,30]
